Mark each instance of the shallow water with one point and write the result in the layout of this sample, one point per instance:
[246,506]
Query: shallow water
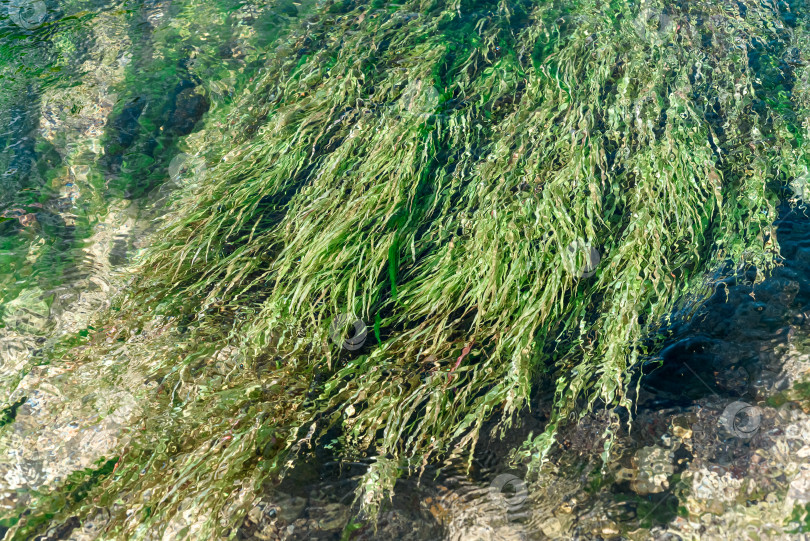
[97,102]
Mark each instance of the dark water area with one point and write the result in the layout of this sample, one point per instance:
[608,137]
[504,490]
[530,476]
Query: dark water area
[718,351]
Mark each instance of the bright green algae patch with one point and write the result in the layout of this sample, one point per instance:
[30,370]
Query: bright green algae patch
[425,167]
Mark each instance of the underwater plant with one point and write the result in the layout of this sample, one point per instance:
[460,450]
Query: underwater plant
[506,196]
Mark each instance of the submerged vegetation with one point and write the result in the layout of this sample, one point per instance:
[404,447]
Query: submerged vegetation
[444,172]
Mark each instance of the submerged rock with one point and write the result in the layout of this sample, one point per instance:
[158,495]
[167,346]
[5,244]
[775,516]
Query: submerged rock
[654,466]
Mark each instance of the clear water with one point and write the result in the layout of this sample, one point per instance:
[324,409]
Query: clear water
[97,100]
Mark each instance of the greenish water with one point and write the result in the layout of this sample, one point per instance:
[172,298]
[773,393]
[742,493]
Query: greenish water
[520,207]
[95,99]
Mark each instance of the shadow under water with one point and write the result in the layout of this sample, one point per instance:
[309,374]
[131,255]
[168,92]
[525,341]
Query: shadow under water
[685,454]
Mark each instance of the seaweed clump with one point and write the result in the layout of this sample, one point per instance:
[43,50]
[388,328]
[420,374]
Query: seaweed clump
[447,172]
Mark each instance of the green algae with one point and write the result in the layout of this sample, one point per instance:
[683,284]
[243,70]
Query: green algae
[659,135]
[9,413]
[799,519]
[72,492]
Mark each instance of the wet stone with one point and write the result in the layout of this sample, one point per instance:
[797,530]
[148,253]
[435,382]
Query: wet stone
[799,491]
[654,466]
